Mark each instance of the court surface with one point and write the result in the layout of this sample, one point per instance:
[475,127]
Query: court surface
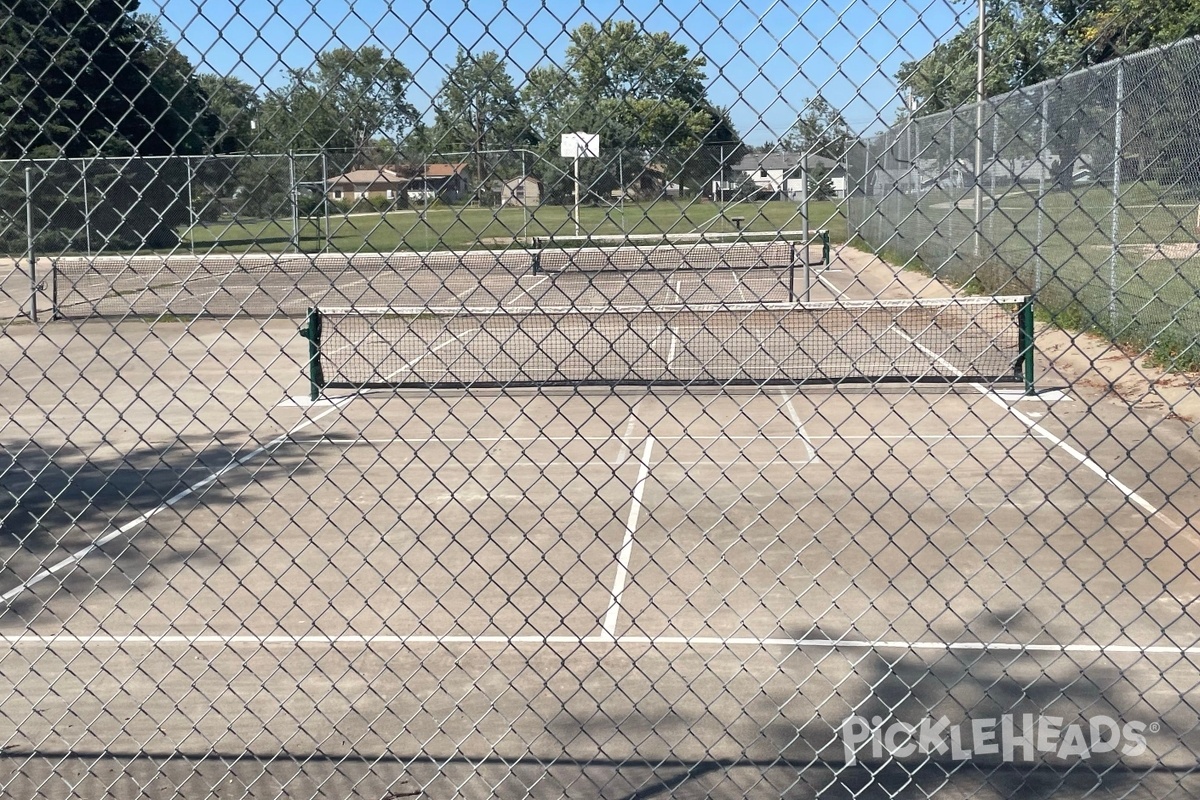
[255,285]
[623,593]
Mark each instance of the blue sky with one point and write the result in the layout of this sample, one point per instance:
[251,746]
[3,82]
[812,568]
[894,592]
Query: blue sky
[764,58]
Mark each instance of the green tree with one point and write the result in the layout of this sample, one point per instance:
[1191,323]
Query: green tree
[1105,29]
[479,110]
[479,105]
[232,106]
[1028,42]
[92,77]
[79,77]
[820,182]
[643,93]
[344,101]
[821,130]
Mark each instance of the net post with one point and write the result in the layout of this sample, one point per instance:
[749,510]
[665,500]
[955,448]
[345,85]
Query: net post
[312,332]
[825,252]
[1025,362]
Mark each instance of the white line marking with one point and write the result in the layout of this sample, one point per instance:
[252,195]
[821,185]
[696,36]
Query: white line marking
[84,552]
[808,446]
[1055,441]
[534,285]
[829,284]
[635,508]
[358,640]
[622,451]
[662,438]
[170,502]
[614,606]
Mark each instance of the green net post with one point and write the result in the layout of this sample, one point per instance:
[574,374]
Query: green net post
[1025,360]
[825,248]
[312,332]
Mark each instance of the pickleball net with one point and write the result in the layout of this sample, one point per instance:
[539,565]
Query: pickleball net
[984,339]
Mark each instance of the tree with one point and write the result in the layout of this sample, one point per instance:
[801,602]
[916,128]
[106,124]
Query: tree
[821,130]
[81,77]
[479,110]
[343,101]
[820,182]
[1105,29]
[642,92]
[1027,43]
[232,106]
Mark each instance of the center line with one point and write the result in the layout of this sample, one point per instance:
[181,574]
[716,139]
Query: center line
[614,605]
[808,446]
[635,510]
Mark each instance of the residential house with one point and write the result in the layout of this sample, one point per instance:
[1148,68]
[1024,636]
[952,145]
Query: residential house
[648,183]
[366,184]
[781,174]
[525,190]
[446,182]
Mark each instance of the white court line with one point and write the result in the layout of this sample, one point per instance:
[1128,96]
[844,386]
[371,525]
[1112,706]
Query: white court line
[668,437]
[791,409]
[74,558]
[534,285]
[720,642]
[635,508]
[84,552]
[621,451]
[828,284]
[1055,441]
[614,605]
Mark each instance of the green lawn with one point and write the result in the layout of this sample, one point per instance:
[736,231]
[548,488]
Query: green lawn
[1140,294]
[467,227]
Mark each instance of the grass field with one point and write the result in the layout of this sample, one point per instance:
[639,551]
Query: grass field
[1142,292]
[466,227]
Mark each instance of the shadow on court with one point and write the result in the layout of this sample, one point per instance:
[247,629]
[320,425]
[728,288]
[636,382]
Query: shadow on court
[56,501]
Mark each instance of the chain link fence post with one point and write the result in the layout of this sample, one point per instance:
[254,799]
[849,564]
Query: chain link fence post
[30,251]
[1043,163]
[1114,229]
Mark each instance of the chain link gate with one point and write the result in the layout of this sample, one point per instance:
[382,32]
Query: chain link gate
[361,440]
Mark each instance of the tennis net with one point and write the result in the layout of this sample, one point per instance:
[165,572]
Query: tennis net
[943,340]
[697,255]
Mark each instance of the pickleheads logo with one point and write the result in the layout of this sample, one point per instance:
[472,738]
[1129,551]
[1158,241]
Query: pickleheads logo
[1013,738]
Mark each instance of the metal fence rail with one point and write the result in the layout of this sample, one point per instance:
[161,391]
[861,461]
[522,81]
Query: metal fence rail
[1088,197]
[501,400]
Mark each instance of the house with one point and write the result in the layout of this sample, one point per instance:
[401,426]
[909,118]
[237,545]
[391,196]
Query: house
[446,182]
[523,191]
[648,183]
[366,184]
[782,174]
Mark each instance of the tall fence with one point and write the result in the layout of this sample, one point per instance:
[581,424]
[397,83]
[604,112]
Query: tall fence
[129,204]
[337,475]
[1086,194]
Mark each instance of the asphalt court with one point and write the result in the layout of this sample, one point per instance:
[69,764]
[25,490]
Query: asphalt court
[764,557]
[290,288]
[666,514]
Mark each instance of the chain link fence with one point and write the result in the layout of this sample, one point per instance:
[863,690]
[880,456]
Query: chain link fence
[365,435]
[1086,196]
